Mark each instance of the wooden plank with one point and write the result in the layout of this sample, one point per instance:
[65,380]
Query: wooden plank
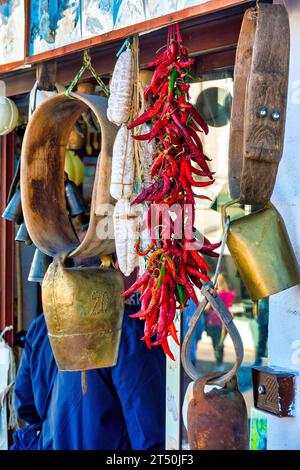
[215,40]
[206,8]
[7,236]
[46,75]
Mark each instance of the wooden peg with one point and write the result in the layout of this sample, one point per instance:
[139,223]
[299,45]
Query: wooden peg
[46,75]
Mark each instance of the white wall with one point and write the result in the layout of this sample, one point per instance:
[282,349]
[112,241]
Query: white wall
[284,326]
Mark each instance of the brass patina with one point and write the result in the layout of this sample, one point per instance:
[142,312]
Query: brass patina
[261,249]
[84,313]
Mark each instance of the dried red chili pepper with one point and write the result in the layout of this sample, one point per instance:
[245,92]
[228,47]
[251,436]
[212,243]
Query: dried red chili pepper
[172,266]
[152,111]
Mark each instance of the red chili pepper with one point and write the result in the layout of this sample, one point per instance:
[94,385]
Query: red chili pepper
[148,192]
[199,119]
[157,163]
[167,350]
[187,284]
[196,281]
[210,253]
[186,167]
[199,260]
[138,283]
[196,273]
[202,173]
[196,139]
[171,57]
[152,111]
[172,266]
[185,64]
[158,59]
[184,51]
[147,328]
[145,252]
[157,196]
[173,332]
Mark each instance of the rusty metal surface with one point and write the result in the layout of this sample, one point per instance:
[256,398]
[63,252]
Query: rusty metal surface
[217,420]
[274,390]
[84,313]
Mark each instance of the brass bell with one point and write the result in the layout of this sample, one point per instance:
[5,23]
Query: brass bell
[261,249]
[23,235]
[84,313]
[75,202]
[13,211]
[39,266]
[217,419]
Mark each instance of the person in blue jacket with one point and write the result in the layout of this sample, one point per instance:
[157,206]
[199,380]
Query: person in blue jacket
[123,409]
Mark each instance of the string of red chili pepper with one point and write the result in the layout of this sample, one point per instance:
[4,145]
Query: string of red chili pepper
[174,266]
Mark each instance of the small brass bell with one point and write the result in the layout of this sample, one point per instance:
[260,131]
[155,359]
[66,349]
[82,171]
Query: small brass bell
[75,202]
[13,211]
[39,266]
[23,235]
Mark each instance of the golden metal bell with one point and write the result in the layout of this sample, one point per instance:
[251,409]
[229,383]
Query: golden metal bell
[84,314]
[261,249]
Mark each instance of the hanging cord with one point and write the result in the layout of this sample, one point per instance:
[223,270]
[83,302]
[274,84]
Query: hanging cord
[210,296]
[136,106]
[87,65]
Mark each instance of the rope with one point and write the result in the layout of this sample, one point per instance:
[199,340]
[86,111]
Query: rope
[87,65]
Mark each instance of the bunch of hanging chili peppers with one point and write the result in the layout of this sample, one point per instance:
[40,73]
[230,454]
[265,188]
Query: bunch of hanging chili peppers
[174,266]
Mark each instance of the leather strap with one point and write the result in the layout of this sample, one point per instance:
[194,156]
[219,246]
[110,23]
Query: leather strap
[260,95]
[211,297]
[42,176]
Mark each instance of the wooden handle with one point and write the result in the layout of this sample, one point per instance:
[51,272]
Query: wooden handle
[42,176]
[259,104]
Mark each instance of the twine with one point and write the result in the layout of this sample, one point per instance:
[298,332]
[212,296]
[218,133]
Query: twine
[87,65]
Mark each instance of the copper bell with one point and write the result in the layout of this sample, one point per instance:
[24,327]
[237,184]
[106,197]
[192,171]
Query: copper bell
[217,420]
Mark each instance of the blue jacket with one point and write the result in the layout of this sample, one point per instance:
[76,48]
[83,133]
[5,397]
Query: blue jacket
[124,407]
